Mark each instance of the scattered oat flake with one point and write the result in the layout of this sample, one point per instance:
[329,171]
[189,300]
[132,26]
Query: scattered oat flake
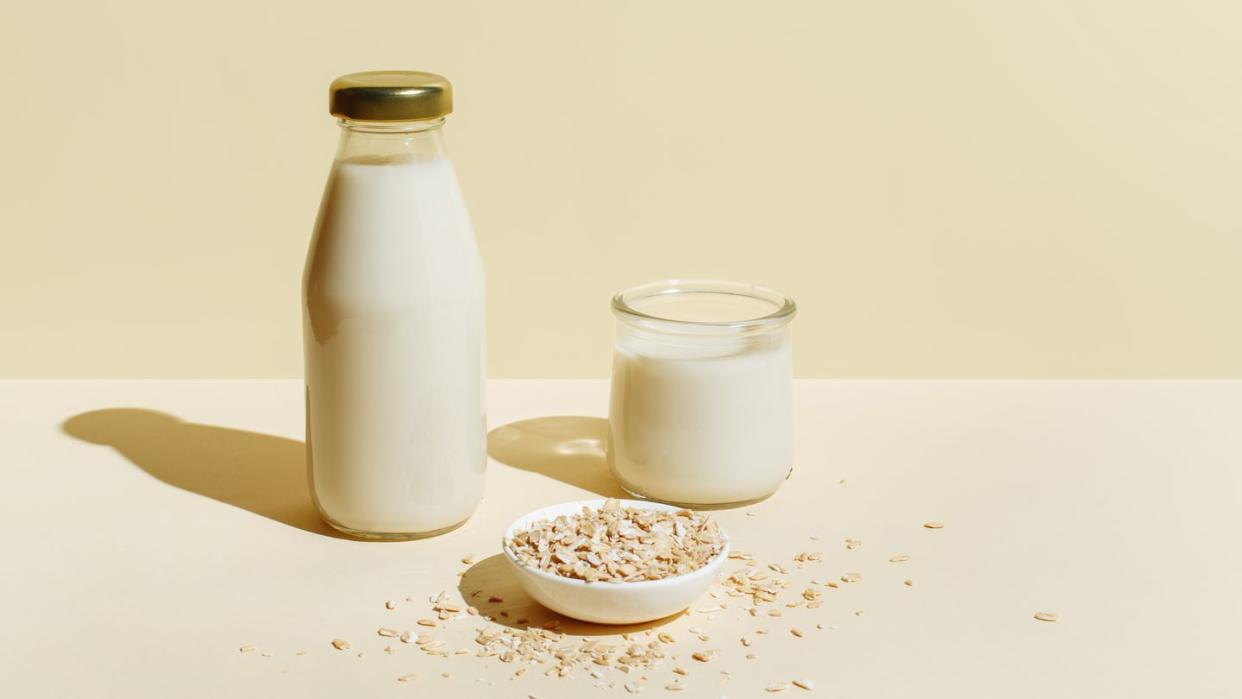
[674,687]
[680,671]
[703,656]
[776,687]
[468,559]
[908,582]
[851,577]
[407,678]
[390,604]
[266,654]
[340,644]
[665,637]
[633,688]
[446,675]
[796,632]
[852,544]
[752,513]
[750,656]
[899,558]
[933,525]
[745,641]
[858,613]
[248,648]
[426,622]
[1046,616]
[388,633]
[803,683]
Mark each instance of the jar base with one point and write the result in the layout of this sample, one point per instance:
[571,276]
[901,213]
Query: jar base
[389,536]
[693,505]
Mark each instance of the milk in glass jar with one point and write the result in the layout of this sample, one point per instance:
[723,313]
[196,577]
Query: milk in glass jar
[701,405]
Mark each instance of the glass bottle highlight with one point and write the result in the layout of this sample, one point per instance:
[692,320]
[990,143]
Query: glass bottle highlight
[701,412]
[393,319]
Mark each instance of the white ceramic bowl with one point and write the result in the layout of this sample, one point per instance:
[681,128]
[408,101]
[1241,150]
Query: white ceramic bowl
[608,602]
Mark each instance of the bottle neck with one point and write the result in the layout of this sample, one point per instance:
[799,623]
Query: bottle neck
[381,141]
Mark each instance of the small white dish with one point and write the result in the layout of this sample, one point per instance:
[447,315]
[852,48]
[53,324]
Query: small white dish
[609,602]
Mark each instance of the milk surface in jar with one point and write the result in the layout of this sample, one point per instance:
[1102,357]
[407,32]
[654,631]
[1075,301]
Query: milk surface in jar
[393,319]
[701,405]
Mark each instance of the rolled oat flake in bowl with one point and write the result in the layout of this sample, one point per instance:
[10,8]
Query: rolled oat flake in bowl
[616,562]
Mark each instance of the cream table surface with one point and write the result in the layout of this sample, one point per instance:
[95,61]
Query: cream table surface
[155,527]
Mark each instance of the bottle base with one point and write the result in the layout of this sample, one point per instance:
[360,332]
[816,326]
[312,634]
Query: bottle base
[389,536]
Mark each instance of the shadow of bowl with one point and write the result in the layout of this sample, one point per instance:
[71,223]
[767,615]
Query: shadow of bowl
[491,587]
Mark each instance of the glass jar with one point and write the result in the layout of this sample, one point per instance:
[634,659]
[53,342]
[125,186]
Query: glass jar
[393,320]
[701,412]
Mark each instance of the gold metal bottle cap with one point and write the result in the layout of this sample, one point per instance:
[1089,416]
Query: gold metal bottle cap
[390,95]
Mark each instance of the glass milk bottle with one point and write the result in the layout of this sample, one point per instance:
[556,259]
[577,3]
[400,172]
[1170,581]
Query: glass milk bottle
[393,319]
[701,412]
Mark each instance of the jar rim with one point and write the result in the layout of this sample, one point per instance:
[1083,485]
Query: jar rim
[623,305]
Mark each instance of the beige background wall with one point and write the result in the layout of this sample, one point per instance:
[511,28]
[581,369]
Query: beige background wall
[948,188]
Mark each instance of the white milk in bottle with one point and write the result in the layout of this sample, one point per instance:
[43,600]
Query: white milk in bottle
[393,320]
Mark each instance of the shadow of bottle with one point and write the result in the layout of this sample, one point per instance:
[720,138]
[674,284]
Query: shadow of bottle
[567,448]
[261,473]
